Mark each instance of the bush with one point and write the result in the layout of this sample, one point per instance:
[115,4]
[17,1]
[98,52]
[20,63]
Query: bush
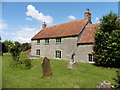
[107,42]
[117,79]
[15,50]
[27,64]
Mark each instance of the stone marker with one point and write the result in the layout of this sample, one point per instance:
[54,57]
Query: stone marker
[72,64]
[46,67]
[105,84]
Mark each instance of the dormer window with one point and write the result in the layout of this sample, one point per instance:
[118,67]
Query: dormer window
[58,40]
[46,41]
[38,42]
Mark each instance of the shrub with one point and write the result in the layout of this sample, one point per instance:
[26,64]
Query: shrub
[15,50]
[27,63]
[107,42]
[117,79]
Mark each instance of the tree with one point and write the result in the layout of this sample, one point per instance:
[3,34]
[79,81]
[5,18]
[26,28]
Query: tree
[107,42]
[117,79]
[5,45]
[15,51]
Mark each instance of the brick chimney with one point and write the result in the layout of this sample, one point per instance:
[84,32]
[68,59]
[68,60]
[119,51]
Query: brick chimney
[87,15]
[44,25]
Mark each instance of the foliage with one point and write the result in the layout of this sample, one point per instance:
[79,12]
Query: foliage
[15,51]
[5,45]
[107,42]
[26,64]
[26,48]
[117,79]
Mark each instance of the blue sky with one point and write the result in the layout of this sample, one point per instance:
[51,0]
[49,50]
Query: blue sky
[22,20]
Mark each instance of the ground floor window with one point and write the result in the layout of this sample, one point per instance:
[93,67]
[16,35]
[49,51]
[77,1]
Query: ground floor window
[38,52]
[58,54]
[90,57]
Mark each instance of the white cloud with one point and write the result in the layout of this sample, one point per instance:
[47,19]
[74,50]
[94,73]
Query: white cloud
[3,25]
[29,19]
[27,29]
[22,39]
[97,18]
[25,33]
[35,14]
[71,17]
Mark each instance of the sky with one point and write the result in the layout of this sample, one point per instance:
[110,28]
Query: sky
[22,20]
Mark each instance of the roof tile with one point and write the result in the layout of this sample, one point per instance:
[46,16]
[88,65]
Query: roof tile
[88,34]
[61,30]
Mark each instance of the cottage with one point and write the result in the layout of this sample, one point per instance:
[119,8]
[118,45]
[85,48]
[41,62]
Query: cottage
[61,41]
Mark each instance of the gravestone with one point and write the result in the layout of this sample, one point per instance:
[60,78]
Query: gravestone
[46,67]
[72,64]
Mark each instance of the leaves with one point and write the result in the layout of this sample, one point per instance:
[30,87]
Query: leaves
[107,42]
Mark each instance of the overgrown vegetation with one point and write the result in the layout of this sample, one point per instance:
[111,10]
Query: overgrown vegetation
[15,49]
[117,79]
[107,42]
[7,43]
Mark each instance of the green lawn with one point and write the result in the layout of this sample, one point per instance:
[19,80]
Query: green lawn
[83,76]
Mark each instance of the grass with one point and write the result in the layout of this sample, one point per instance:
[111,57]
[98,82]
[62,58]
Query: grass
[85,75]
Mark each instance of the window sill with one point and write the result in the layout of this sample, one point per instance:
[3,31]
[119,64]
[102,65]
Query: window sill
[58,58]
[91,62]
[58,43]
[46,44]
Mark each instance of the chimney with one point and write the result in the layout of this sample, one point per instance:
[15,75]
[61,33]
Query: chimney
[87,15]
[44,25]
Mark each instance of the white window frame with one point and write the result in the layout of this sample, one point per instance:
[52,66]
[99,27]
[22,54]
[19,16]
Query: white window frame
[58,52]
[58,40]
[47,41]
[38,51]
[38,43]
[90,58]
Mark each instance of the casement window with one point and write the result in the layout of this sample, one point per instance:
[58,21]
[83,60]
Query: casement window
[58,40]
[38,52]
[46,41]
[58,54]
[90,57]
[38,42]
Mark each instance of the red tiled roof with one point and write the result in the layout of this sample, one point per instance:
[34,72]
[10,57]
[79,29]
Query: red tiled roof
[88,34]
[28,51]
[61,30]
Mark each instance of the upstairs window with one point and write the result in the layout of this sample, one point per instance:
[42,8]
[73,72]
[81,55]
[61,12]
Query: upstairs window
[58,54]
[38,42]
[46,41]
[90,57]
[58,40]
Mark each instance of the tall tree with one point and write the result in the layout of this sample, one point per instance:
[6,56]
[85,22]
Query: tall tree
[107,42]
[5,45]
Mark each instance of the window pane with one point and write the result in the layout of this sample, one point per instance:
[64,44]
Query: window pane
[58,40]
[37,52]
[58,54]
[38,41]
[46,41]
[90,57]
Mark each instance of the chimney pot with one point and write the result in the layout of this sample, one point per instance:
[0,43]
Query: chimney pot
[87,15]
[44,25]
